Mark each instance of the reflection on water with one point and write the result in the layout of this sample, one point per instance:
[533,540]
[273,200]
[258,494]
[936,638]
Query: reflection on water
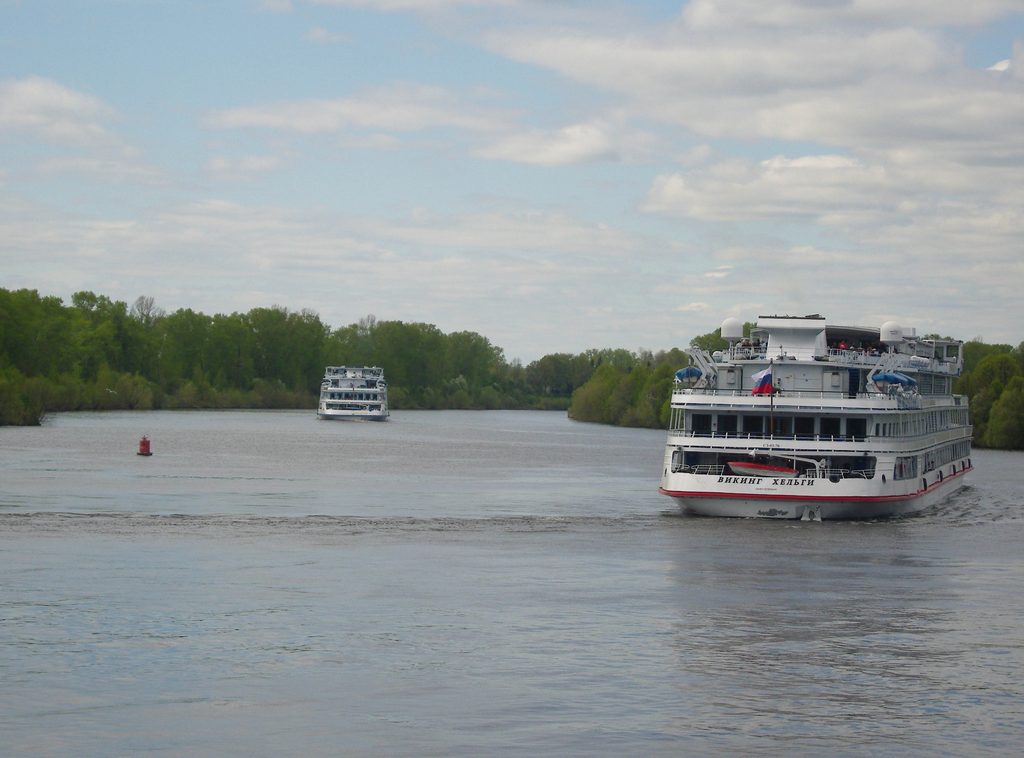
[516,588]
[868,641]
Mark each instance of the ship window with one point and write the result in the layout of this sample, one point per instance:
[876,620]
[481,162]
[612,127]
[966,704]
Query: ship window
[753,424]
[804,426]
[830,426]
[857,427]
[727,424]
[701,423]
[906,467]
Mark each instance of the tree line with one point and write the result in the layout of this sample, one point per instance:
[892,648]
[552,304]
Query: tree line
[100,354]
[637,392]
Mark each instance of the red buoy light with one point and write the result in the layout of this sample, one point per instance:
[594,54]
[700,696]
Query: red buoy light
[144,447]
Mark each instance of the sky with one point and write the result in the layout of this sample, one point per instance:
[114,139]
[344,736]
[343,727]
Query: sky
[554,175]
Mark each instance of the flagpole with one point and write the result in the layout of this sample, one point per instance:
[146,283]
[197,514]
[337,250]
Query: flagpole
[771,395]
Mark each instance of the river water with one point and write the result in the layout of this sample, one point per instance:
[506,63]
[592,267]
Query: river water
[478,583]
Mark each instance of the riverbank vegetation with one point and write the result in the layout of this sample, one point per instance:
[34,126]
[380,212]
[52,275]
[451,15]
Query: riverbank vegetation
[100,354]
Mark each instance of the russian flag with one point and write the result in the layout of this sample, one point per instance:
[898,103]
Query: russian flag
[763,382]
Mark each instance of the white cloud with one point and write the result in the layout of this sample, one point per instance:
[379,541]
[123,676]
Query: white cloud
[531,233]
[322,36]
[52,111]
[277,6]
[726,14]
[107,169]
[719,273]
[872,85]
[400,107]
[679,63]
[810,186]
[246,164]
[68,132]
[415,5]
[369,142]
[571,144]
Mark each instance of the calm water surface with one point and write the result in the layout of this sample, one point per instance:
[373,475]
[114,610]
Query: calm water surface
[483,583]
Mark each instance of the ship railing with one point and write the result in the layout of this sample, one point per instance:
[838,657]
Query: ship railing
[832,474]
[748,353]
[780,394]
[836,474]
[707,470]
[904,400]
[767,436]
[851,357]
[930,364]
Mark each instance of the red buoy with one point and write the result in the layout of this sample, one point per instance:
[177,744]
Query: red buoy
[144,447]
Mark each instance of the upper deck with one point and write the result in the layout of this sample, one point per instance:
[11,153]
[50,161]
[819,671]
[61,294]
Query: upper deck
[354,372]
[354,377]
[806,360]
[929,356]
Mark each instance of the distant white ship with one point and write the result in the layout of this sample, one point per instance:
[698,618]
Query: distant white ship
[807,420]
[353,392]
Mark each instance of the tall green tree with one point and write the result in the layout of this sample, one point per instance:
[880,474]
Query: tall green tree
[1006,417]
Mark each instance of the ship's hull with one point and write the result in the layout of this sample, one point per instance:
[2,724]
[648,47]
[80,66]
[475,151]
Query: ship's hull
[352,416]
[810,499]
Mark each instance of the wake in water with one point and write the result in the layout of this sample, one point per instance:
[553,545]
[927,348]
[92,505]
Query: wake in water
[179,523]
[968,507]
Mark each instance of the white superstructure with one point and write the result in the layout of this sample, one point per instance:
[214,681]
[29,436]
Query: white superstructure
[805,419]
[353,392]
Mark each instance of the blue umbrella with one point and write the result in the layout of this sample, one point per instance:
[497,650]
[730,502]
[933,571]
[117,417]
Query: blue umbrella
[690,372]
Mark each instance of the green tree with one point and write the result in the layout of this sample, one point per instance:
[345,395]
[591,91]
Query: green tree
[592,401]
[553,374]
[228,352]
[987,383]
[473,357]
[181,346]
[414,357]
[1006,419]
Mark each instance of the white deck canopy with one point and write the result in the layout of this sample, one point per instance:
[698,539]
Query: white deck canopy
[800,337]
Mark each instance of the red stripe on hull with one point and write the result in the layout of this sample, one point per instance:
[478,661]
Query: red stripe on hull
[818,498]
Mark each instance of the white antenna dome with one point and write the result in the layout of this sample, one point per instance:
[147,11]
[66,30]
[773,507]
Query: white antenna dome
[732,329]
[891,333]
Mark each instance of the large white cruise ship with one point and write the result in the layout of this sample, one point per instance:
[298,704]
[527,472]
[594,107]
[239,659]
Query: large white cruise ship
[808,420]
[353,392]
